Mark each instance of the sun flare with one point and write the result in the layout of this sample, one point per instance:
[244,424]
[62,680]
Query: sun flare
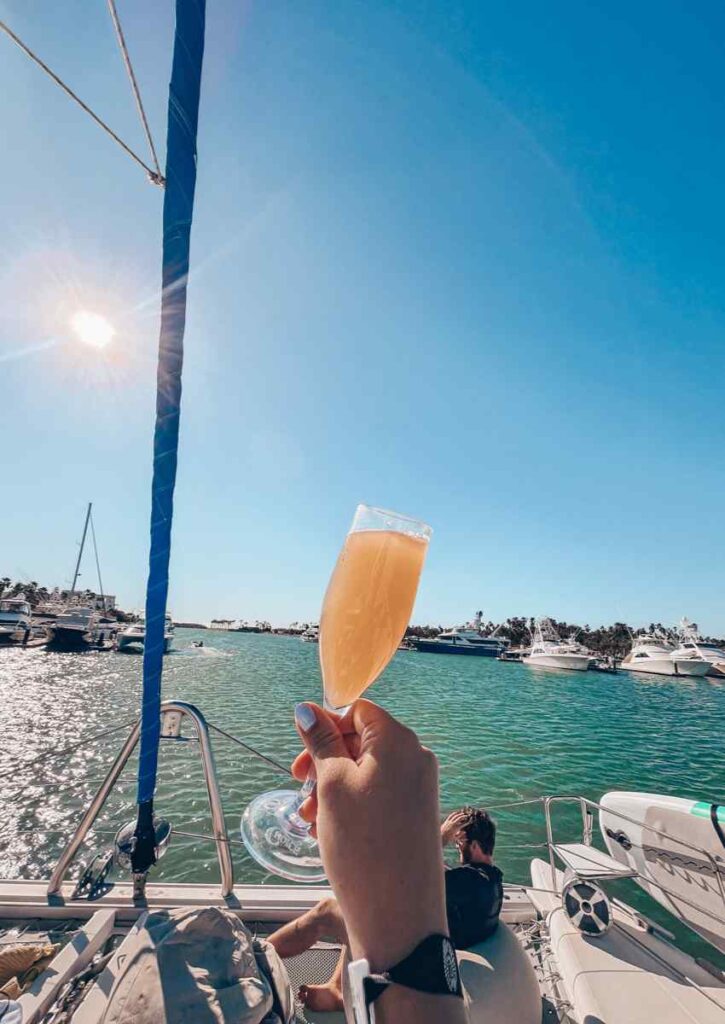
[92,328]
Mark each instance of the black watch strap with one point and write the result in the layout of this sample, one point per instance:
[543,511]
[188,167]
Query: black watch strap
[431,967]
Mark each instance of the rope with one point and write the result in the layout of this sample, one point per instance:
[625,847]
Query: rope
[153,177]
[134,87]
[246,746]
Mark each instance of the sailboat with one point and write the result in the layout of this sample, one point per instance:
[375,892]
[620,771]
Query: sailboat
[566,951]
[82,627]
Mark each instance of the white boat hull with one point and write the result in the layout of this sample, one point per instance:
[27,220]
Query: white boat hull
[570,662]
[667,667]
[676,851]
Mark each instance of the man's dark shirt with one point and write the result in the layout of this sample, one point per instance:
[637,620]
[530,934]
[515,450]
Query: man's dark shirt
[474,895]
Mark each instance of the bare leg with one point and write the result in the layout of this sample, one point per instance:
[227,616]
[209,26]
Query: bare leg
[326,998]
[323,921]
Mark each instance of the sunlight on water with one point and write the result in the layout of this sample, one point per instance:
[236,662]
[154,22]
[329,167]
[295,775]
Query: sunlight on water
[501,731]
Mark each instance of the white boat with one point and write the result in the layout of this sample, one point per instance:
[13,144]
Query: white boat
[76,627]
[548,650]
[654,654]
[311,635]
[15,618]
[133,635]
[691,644]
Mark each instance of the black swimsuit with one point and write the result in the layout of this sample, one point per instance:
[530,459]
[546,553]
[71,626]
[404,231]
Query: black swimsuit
[474,896]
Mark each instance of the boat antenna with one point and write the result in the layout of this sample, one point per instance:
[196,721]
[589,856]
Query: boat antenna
[183,113]
[77,573]
[98,564]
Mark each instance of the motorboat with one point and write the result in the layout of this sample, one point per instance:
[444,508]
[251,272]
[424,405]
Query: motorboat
[133,635]
[654,654]
[692,645]
[468,640]
[311,635]
[548,650]
[79,628]
[15,618]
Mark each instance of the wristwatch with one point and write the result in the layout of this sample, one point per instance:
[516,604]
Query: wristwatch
[432,967]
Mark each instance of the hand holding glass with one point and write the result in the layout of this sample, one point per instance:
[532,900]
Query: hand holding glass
[367,607]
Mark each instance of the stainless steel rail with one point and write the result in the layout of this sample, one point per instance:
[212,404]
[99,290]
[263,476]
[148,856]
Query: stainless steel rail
[172,713]
[586,805]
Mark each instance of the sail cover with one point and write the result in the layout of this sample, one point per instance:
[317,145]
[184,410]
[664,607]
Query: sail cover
[178,210]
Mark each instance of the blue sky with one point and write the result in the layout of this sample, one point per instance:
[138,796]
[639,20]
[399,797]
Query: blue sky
[459,259]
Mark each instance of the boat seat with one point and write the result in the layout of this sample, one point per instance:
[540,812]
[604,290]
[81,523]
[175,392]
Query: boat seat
[499,981]
[629,976]
[588,863]
[497,976]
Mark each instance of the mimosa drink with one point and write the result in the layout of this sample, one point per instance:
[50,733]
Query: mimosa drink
[367,608]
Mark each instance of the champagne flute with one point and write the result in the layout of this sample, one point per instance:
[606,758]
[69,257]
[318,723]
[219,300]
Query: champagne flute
[367,607]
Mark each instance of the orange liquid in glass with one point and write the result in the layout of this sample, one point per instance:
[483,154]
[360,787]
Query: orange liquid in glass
[367,608]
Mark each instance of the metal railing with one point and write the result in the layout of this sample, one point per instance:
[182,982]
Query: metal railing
[172,714]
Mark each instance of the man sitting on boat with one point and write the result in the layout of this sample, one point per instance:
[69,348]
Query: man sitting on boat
[474,896]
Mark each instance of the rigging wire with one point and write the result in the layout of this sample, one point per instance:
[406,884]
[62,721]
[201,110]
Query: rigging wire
[134,86]
[241,743]
[98,564]
[47,755]
[155,178]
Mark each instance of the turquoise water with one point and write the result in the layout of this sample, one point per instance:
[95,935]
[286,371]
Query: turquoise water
[502,733]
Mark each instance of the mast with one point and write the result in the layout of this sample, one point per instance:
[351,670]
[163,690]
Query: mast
[183,112]
[76,574]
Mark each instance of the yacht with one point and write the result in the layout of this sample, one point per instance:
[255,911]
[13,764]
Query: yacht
[469,639]
[461,641]
[133,635]
[653,653]
[80,628]
[692,645]
[548,650]
[311,635]
[15,618]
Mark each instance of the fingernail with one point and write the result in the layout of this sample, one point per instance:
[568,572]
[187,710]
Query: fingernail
[305,716]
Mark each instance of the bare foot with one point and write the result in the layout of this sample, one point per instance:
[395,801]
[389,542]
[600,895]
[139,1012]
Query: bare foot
[324,998]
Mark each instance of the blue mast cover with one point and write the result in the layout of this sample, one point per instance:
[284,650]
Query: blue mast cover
[178,210]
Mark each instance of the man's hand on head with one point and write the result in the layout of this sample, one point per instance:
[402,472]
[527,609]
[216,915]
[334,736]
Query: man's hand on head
[452,826]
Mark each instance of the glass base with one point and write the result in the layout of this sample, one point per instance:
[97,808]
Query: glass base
[279,840]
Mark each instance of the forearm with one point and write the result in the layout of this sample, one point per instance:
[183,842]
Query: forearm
[399,1005]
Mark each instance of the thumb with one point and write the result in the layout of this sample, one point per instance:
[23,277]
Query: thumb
[320,733]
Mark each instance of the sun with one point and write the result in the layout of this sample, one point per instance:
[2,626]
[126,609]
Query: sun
[92,328]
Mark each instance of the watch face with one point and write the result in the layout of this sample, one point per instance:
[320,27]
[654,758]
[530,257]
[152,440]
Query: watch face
[450,965]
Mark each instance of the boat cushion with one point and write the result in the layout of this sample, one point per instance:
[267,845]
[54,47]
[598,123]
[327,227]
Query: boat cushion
[499,981]
[629,976]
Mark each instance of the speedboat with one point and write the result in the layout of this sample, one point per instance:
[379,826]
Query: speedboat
[15,618]
[654,654]
[133,635]
[548,650]
[692,645]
